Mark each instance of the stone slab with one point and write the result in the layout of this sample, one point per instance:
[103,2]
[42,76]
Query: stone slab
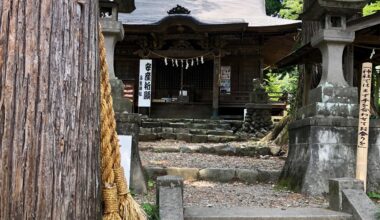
[357,203]
[238,213]
[184,137]
[247,176]
[217,174]
[199,139]
[150,124]
[154,172]
[268,176]
[220,132]
[185,173]
[181,130]
[178,125]
[148,137]
[335,190]
[169,136]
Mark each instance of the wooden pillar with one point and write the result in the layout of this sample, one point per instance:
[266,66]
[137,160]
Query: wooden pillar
[215,90]
[349,65]
[261,66]
[49,110]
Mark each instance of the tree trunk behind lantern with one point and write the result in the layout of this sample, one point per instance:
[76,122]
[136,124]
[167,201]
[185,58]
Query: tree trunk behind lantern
[49,109]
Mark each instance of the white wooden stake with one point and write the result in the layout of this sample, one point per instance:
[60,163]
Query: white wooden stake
[363,129]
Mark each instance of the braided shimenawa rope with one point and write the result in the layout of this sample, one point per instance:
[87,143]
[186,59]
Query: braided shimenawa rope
[127,207]
[110,197]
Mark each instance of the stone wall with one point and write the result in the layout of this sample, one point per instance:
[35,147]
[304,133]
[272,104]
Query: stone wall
[257,122]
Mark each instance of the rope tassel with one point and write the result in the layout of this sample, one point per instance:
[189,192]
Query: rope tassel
[128,209]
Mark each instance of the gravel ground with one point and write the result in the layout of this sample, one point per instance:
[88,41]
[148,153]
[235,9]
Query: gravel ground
[210,194]
[196,160]
[238,194]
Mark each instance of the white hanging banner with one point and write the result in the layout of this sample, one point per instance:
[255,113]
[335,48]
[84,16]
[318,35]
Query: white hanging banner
[126,155]
[145,83]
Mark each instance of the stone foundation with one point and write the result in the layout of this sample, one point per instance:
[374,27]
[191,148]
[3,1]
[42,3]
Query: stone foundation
[325,148]
[258,120]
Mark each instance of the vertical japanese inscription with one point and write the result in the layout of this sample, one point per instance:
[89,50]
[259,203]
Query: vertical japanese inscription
[363,128]
[145,83]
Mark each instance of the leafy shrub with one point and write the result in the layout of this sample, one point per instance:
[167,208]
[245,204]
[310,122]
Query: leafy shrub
[374,195]
[371,8]
[152,211]
[284,82]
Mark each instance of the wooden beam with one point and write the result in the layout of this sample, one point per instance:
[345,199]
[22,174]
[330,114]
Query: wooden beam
[215,90]
[367,39]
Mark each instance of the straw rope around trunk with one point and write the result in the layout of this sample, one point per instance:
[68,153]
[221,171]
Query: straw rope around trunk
[117,200]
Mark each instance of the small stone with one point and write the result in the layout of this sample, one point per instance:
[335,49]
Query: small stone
[247,176]
[185,149]
[266,157]
[225,150]
[260,135]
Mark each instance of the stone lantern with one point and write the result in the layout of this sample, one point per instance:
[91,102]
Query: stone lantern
[113,32]
[331,41]
[322,141]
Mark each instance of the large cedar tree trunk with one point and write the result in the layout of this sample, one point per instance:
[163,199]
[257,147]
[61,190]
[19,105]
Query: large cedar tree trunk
[49,109]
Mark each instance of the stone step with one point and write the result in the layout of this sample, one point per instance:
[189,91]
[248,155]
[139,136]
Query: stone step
[210,126]
[200,121]
[228,149]
[216,174]
[219,132]
[190,138]
[239,213]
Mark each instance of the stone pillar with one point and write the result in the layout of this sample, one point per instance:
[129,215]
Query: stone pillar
[113,31]
[170,197]
[129,124]
[215,90]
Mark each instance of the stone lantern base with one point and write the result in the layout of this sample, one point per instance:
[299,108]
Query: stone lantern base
[321,148]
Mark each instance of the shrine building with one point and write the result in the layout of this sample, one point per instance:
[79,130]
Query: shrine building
[211,50]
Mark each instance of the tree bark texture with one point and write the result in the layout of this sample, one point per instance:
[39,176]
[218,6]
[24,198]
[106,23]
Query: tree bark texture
[49,109]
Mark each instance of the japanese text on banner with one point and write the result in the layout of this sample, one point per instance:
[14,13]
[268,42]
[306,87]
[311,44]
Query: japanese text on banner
[145,83]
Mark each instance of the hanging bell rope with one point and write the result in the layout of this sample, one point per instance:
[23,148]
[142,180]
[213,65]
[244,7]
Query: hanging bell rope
[117,201]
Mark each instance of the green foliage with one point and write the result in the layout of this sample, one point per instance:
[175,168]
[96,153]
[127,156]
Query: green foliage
[151,184]
[371,8]
[282,82]
[272,7]
[291,9]
[152,211]
[373,195]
